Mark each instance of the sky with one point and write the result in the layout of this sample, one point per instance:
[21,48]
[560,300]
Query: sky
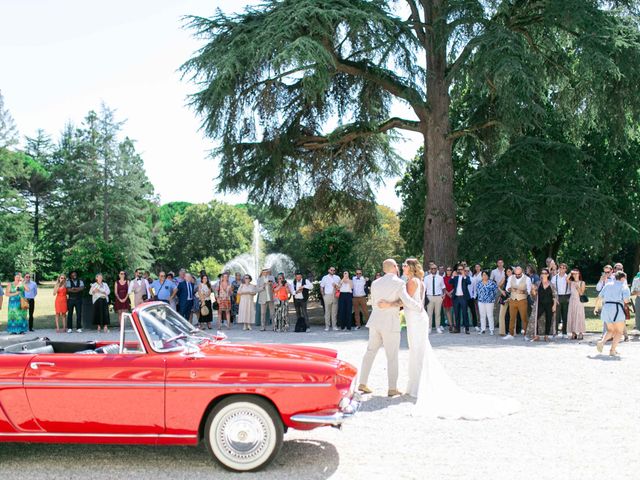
[60,59]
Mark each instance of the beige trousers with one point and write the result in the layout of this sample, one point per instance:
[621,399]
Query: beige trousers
[391,343]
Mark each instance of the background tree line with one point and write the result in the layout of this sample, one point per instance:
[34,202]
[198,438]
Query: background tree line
[84,202]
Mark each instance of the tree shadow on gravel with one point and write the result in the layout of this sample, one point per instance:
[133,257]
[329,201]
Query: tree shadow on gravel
[309,459]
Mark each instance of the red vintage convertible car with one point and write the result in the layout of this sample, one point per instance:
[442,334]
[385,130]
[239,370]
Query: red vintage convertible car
[165,382]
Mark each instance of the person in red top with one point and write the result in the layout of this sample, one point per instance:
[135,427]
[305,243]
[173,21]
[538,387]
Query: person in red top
[60,292]
[447,303]
[281,294]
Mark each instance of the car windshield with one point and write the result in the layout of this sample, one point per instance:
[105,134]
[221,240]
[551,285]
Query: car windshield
[167,330]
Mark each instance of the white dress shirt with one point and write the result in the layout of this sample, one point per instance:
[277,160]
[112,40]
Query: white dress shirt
[327,284]
[434,285]
[459,292]
[358,286]
[497,275]
[304,283]
[560,282]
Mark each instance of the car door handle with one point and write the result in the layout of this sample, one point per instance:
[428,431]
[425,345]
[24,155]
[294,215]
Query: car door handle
[36,365]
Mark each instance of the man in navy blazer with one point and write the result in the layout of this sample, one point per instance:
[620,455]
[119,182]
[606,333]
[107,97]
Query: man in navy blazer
[461,296]
[186,294]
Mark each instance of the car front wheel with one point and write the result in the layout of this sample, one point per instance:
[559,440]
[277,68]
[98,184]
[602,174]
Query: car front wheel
[244,433]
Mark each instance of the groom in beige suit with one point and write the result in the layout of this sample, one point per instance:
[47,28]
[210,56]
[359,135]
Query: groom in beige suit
[384,327]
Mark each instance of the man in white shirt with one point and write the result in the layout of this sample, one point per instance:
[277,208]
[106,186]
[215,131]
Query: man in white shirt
[559,281]
[473,305]
[434,290]
[359,298]
[264,286]
[140,288]
[328,287]
[300,289]
[497,274]
[519,286]
[30,295]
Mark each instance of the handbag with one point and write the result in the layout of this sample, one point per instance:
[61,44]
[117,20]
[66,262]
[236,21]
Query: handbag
[24,303]
[584,298]
[204,310]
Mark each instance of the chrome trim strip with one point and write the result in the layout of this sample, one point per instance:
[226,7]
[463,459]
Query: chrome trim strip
[47,384]
[347,410]
[247,385]
[10,383]
[100,435]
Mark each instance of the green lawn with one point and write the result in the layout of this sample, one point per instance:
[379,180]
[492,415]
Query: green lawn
[44,313]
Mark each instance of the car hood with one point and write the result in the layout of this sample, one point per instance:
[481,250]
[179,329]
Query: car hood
[272,351]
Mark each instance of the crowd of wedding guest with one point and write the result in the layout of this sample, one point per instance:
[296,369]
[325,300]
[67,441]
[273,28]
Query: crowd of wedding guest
[538,305]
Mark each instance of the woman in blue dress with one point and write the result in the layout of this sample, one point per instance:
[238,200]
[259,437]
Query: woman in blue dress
[612,299]
[16,315]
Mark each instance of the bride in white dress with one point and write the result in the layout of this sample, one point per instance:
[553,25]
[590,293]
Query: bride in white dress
[436,393]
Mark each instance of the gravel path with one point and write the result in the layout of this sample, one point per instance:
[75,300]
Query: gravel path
[578,407]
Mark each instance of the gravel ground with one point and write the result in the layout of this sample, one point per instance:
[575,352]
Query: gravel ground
[577,409]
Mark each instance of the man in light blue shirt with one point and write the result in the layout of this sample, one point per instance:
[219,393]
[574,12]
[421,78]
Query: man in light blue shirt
[30,295]
[163,289]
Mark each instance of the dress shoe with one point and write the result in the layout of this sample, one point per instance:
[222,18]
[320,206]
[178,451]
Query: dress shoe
[364,389]
[466,330]
[455,330]
[394,393]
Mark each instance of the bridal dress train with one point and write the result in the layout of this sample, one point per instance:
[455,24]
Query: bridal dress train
[438,396]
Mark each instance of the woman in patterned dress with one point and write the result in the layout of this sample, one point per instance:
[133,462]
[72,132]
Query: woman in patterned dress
[281,294]
[224,292]
[16,315]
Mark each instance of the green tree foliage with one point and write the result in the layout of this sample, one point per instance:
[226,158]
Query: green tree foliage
[209,265]
[102,190]
[534,194]
[90,256]
[8,129]
[273,80]
[169,211]
[207,230]
[383,242]
[332,247]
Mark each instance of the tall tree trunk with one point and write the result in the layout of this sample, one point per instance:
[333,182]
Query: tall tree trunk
[105,202]
[440,233]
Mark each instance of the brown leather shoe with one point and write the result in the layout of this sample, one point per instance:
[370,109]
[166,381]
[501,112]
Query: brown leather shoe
[394,393]
[364,389]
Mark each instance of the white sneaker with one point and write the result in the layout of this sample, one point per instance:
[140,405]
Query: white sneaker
[481,332]
[308,329]
[336,329]
[507,337]
[357,328]
[69,330]
[440,330]
[527,339]
[326,329]
[491,332]
[559,335]
[521,332]
[79,330]
[477,329]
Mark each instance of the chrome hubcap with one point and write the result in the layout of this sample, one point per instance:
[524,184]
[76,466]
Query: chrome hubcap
[243,435]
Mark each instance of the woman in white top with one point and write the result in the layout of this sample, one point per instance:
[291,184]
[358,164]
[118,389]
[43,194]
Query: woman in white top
[345,301]
[99,292]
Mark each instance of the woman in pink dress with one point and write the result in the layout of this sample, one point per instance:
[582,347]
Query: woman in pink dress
[575,318]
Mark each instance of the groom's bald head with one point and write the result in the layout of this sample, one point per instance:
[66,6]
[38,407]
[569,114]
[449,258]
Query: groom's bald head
[389,266]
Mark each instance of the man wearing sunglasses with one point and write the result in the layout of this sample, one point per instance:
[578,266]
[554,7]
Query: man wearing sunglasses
[435,290]
[461,297]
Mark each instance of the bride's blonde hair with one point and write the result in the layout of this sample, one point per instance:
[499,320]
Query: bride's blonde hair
[415,267]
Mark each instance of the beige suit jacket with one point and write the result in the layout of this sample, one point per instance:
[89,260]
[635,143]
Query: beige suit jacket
[385,288]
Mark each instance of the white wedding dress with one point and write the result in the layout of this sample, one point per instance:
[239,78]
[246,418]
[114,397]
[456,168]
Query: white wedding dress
[437,394]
